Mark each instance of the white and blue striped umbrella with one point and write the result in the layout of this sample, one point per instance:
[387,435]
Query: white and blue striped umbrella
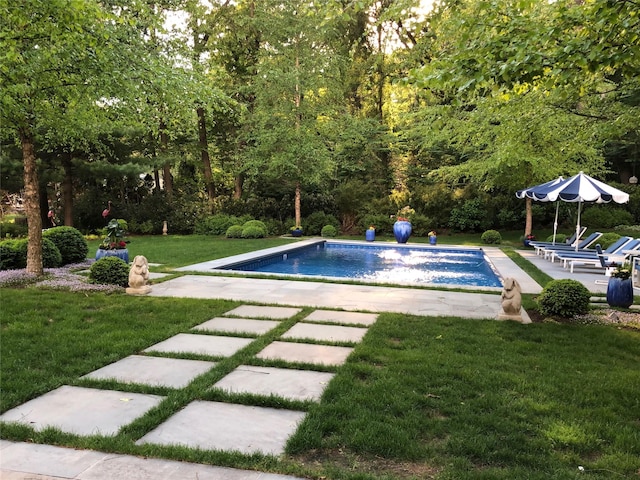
[581,188]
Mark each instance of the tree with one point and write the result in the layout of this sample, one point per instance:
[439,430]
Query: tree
[533,77]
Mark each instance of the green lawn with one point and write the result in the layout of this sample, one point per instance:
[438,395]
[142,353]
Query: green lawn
[421,397]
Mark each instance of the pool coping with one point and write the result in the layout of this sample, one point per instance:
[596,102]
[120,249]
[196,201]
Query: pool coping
[501,264]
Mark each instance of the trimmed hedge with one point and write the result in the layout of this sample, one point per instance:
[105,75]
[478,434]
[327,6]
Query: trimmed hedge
[564,298]
[110,271]
[72,245]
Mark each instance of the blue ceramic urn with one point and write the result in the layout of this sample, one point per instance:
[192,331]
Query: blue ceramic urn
[402,231]
[620,292]
[370,235]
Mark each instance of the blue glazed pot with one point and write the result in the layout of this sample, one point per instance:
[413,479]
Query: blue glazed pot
[620,292]
[402,231]
[296,233]
[433,240]
[122,254]
[370,235]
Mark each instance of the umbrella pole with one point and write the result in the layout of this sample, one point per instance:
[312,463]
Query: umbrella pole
[555,223]
[578,226]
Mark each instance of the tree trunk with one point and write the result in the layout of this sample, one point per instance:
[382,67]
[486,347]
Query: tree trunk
[32,203]
[156,180]
[204,154]
[529,218]
[67,190]
[238,185]
[297,206]
[166,168]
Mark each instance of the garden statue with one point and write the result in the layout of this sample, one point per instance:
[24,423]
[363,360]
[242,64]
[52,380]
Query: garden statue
[139,276]
[107,211]
[512,302]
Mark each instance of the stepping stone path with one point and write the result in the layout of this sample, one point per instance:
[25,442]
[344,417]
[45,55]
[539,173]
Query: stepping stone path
[211,425]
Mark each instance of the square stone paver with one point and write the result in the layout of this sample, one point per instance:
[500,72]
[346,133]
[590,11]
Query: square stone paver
[257,311]
[201,344]
[83,411]
[332,316]
[283,382]
[237,325]
[154,371]
[227,427]
[329,333]
[305,353]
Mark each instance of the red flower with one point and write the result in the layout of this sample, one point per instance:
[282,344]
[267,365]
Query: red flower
[122,244]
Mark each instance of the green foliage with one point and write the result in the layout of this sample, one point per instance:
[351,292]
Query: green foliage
[421,225]
[70,242]
[253,231]
[110,271]
[605,216]
[217,224]
[491,237]
[234,231]
[382,223]
[564,298]
[313,224]
[114,232]
[144,228]
[51,256]
[560,238]
[608,239]
[329,231]
[14,228]
[470,217]
[12,255]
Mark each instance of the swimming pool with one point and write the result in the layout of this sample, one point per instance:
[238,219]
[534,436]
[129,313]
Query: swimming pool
[397,264]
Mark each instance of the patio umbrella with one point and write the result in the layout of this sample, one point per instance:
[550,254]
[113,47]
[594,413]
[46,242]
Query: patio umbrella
[539,192]
[582,188]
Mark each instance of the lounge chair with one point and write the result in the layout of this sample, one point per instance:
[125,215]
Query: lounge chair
[539,246]
[604,260]
[550,252]
[614,251]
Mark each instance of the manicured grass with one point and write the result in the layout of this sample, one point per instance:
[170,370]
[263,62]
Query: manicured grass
[421,397]
[179,250]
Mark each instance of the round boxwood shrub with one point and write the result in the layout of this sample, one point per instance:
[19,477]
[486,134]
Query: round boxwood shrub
[10,255]
[328,231]
[560,238]
[72,245]
[110,271]
[491,237]
[253,231]
[234,231]
[564,298]
[607,239]
[51,256]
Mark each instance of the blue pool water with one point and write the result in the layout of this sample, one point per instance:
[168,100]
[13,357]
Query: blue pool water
[390,264]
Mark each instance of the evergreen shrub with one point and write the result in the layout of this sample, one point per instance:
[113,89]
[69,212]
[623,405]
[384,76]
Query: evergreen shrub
[51,256]
[329,231]
[110,271]
[560,238]
[256,224]
[253,231]
[70,242]
[470,217]
[491,237]
[382,223]
[608,239]
[564,298]
[217,224]
[234,231]
[605,217]
[13,254]
[312,225]
[10,257]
